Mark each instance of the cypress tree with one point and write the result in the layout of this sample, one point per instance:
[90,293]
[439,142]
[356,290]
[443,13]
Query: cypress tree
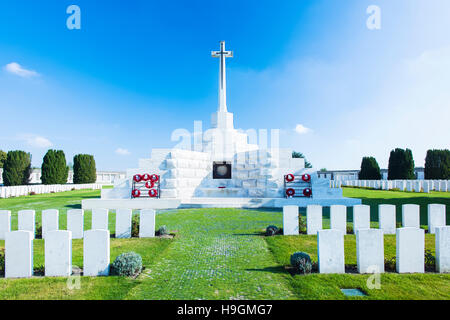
[401,164]
[17,168]
[3,156]
[84,170]
[437,164]
[54,168]
[369,169]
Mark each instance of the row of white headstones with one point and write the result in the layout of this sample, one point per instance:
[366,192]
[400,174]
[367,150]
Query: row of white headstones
[58,243]
[410,239]
[403,185]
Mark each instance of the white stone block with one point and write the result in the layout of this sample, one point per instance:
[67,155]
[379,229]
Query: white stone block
[411,216]
[330,250]
[58,253]
[436,216]
[443,249]
[410,250]
[313,219]
[387,218]
[100,219]
[18,254]
[96,252]
[338,218]
[361,217]
[370,251]
[75,222]
[26,221]
[50,221]
[123,223]
[290,220]
[147,223]
[5,223]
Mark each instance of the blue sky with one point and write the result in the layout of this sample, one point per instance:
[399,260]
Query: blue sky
[138,70]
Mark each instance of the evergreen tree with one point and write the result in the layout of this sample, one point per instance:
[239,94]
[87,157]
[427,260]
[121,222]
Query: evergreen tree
[54,168]
[3,156]
[369,169]
[437,164]
[401,165]
[300,155]
[17,168]
[84,170]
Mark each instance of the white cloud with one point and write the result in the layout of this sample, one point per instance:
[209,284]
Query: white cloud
[36,141]
[122,152]
[301,129]
[18,70]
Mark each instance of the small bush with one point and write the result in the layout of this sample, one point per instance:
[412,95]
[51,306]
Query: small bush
[350,230]
[162,231]
[271,230]
[2,261]
[127,264]
[389,264]
[135,226]
[301,261]
[430,260]
[302,224]
[398,224]
[38,234]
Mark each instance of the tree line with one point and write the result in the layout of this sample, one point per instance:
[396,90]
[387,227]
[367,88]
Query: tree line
[401,166]
[17,168]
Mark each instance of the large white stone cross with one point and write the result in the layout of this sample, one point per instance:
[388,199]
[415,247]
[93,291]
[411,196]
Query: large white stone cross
[222,54]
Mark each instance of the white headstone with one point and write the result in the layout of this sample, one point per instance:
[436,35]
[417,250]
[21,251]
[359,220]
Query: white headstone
[361,217]
[370,250]
[100,219]
[147,223]
[330,250]
[290,220]
[418,186]
[5,223]
[96,251]
[338,218]
[123,223]
[410,250]
[50,221]
[75,222]
[58,253]
[436,216]
[443,249]
[313,219]
[18,254]
[426,186]
[387,218]
[411,216]
[26,221]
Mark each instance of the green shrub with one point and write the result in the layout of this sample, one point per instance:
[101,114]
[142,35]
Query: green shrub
[38,234]
[127,264]
[54,168]
[350,230]
[84,170]
[301,224]
[390,263]
[271,230]
[2,261]
[401,165]
[369,169]
[135,226]
[16,168]
[430,260]
[301,262]
[437,165]
[162,231]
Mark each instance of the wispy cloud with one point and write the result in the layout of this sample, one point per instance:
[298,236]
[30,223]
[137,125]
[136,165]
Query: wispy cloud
[36,141]
[122,152]
[17,69]
[301,129]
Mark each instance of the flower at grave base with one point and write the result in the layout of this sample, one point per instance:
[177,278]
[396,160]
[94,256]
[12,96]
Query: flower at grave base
[154,177]
[146,177]
[307,192]
[149,184]
[153,193]
[136,193]
[290,192]
[290,177]
[306,177]
[137,178]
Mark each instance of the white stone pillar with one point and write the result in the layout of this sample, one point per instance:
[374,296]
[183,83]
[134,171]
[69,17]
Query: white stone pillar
[338,218]
[123,223]
[443,249]
[313,219]
[387,218]
[147,223]
[330,250]
[361,217]
[410,250]
[436,216]
[290,220]
[5,223]
[370,251]
[58,253]
[50,221]
[96,252]
[75,222]
[411,216]
[18,254]
[100,219]
[26,221]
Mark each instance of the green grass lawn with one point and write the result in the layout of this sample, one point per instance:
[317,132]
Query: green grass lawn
[220,254]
